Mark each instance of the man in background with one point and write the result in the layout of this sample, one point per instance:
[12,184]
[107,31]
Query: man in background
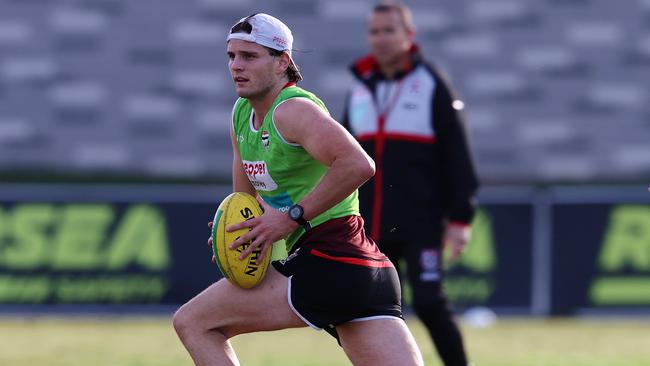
[421,198]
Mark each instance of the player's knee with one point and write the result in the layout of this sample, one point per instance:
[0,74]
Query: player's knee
[180,322]
[183,323]
[187,325]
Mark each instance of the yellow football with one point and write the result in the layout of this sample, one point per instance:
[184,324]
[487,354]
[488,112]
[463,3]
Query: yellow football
[250,271]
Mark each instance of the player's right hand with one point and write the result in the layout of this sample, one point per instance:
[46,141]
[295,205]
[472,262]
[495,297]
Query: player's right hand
[265,230]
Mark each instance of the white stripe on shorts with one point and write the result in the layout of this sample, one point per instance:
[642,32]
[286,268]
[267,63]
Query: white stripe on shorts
[375,317]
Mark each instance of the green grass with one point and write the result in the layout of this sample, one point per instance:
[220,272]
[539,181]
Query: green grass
[151,341]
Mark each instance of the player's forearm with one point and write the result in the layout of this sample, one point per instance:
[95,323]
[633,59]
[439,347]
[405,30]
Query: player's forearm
[240,182]
[345,175]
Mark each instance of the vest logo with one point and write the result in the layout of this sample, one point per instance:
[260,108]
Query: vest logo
[259,176]
[265,140]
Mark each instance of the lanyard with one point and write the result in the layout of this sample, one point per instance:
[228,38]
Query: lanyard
[379,155]
[390,104]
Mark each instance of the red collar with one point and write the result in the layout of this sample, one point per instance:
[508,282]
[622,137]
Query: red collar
[367,65]
[291,83]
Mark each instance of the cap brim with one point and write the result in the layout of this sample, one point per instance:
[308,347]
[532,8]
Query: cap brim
[241,36]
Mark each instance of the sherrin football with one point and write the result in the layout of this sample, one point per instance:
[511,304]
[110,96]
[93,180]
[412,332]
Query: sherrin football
[250,271]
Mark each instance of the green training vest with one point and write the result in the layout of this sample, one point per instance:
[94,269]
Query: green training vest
[281,172]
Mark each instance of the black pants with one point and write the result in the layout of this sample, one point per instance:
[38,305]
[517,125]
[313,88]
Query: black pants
[425,274]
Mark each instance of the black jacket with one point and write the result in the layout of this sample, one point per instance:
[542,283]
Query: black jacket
[425,173]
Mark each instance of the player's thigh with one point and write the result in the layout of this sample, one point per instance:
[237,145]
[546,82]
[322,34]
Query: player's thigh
[379,342]
[234,310]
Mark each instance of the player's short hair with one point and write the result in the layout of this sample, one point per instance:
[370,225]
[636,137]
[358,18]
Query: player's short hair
[293,71]
[402,10]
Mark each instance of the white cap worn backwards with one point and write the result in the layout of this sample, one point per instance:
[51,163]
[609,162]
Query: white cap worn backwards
[267,31]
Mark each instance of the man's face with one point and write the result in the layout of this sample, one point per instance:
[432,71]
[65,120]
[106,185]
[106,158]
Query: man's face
[388,37]
[252,68]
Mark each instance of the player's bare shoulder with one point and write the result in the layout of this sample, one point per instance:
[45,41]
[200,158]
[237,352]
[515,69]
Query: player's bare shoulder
[297,115]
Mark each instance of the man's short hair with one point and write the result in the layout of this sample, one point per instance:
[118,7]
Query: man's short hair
[293,72]
[402,10]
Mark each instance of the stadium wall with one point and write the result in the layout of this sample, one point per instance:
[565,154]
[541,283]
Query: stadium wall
[535,251]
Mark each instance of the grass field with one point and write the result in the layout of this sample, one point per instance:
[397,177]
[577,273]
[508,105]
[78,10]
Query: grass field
[151,342]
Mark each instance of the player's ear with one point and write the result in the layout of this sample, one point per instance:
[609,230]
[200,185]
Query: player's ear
[283,62]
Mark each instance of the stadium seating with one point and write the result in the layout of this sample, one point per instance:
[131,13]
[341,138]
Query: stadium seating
[555,90]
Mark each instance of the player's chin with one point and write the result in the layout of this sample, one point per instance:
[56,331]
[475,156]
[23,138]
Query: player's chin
[243,89]
[243,93]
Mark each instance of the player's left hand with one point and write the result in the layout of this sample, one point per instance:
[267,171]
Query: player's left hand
[272,226]
[456,237]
